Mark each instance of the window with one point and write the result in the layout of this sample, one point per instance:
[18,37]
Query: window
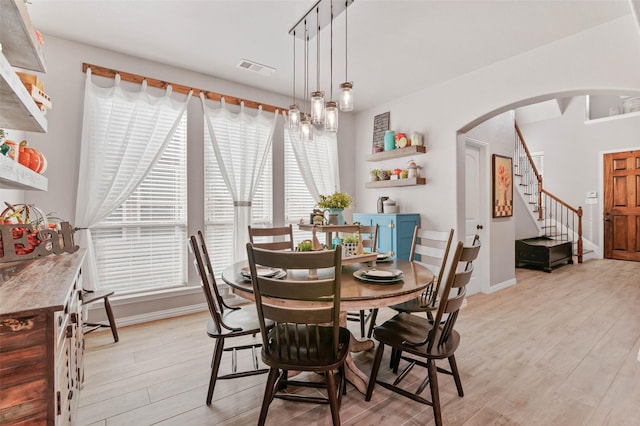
[218,207]
[142,244]
[298,200]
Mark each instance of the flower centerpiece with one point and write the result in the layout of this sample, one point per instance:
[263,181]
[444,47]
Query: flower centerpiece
[337,200]
[335,203]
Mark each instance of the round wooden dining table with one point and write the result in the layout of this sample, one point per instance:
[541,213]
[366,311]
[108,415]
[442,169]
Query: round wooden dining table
[355,295]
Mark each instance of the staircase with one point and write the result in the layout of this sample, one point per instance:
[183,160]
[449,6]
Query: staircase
[555,218]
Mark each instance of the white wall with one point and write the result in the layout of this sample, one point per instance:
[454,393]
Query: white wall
[604,58]
[573,154]
[499,133]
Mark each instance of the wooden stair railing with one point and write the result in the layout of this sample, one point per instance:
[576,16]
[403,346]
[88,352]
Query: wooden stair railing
[561,221]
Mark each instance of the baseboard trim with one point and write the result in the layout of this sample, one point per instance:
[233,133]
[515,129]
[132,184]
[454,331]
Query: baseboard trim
[500,286]
[158,315]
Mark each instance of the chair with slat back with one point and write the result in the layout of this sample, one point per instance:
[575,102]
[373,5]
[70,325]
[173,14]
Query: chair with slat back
[226,322]
[431,249]
[272,238]
[305,338]
[423,341]
[369,241]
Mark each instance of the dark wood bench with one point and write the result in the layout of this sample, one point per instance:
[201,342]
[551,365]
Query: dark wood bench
[543,252]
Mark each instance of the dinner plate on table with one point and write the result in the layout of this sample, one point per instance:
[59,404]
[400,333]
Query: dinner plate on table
[262,271]
[383,257]
[379,275]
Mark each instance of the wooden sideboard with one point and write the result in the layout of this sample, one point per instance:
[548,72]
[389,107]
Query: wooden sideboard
[41,341]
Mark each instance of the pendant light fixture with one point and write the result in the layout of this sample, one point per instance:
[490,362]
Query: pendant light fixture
[331,107]
[294,111]
[320,113]
[317,97]
[346,92]
[306,128]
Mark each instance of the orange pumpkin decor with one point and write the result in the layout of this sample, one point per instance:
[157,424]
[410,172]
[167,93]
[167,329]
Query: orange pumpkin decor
[31,158]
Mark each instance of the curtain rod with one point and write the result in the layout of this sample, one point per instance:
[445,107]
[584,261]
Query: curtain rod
[179,88]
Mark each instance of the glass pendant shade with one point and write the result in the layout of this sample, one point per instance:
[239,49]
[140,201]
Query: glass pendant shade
[306,129]
[294,116]
[317,107]
[346,96]
[331,117]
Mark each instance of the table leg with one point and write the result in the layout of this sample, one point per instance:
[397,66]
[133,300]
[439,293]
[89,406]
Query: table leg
[353,374]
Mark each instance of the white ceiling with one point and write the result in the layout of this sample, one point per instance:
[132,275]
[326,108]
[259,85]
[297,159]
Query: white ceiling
[395,47]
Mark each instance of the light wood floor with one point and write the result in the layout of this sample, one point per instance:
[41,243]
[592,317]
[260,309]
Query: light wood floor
[555,349]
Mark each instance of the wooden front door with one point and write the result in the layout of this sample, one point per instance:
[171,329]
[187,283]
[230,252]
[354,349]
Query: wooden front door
[622,205]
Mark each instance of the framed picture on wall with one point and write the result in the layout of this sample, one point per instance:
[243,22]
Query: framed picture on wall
[502,186]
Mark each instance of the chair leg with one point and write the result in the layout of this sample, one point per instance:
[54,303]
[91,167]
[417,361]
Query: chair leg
[333,398]
[112,320]
[217,357]
[374,372]
[456,375]
[343,381]
[372,321]
[269,391]
[435,395]
[362,323]
[396,361]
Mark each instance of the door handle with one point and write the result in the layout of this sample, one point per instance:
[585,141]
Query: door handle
[479,227]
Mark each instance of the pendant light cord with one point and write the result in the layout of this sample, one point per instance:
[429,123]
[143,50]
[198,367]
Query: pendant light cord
[294,68]
[346,34]
[318,49]
[331,57]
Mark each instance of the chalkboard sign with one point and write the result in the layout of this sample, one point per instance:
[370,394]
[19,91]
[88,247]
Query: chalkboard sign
[380,125]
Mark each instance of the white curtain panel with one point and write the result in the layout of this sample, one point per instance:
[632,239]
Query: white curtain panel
[317,161]
[123,136]
[241,143]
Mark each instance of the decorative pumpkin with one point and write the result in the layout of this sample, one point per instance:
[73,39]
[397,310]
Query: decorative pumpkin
[31,158]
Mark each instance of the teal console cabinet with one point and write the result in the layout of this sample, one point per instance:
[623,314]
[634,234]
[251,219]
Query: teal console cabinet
[395,231]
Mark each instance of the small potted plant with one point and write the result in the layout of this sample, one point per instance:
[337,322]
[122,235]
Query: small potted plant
[335,203]
[350,245]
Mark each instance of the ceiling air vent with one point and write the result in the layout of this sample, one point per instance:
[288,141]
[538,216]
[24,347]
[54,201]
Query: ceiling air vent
[256,67]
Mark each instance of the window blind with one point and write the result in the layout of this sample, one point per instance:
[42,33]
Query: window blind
[218,206]
[142,244]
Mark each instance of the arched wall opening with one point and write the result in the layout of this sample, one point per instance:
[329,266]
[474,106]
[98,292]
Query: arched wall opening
[596,220]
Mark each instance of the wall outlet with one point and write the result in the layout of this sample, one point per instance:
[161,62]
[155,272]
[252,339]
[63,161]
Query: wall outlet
[592,194]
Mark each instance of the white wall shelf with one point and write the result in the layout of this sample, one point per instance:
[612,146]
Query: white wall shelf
[18,37]
[18,110]
[396,182]
[14,175]
[397,153]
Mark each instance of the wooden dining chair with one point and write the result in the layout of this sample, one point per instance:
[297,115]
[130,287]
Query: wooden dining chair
[431,249]
[226,322]
[272,238]
[369,235]
[423,341]
[306,336]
